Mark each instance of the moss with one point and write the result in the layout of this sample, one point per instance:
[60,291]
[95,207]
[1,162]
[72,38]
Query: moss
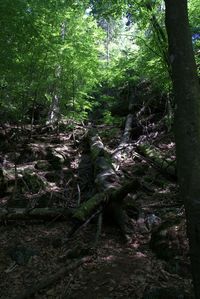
[158,158]
[84,211]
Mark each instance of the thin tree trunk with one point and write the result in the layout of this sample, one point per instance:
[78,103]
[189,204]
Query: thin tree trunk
[187,123]
[54,110]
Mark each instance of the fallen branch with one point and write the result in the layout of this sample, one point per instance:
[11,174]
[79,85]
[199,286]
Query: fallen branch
[86,209]
[52,279]
[34,214]
[81,224]
[165,165]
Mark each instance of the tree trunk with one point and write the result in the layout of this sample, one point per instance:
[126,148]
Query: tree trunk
[187,123]
[53,114]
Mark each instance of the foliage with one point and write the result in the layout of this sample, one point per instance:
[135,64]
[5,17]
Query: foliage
[55,52]
[194,13]
[68,57]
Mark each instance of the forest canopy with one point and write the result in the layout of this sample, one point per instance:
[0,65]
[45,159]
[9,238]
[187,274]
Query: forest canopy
[67,58]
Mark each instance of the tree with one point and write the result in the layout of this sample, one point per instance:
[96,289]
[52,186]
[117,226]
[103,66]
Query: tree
[52,60]
[187,123]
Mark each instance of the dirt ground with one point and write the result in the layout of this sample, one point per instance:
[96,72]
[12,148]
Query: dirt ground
[153,263]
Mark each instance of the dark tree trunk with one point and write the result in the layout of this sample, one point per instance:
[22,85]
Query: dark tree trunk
[187,123]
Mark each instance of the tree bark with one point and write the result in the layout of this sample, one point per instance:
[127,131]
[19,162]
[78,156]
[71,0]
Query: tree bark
[53,114]
[187,123]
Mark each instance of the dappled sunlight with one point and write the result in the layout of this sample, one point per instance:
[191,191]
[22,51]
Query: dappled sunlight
[94,110]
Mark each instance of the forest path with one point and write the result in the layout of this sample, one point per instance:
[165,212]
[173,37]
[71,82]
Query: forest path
[60,174]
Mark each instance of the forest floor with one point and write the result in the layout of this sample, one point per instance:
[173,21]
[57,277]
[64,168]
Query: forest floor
[53,170]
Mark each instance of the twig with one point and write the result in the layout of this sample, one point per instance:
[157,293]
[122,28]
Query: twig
[99,227]
[66,291]
[79,226]
[79,195]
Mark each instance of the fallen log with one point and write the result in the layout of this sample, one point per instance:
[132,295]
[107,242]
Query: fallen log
[130,125]
[124,143]
[106,178]
[128,129]
[111,192]
[34,214]
[87,208]
[104,171]
[166,165]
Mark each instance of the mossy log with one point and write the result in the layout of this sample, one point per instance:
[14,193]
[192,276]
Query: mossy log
[128,129]
[86,209]
[34,214]
[89,207]
[107,181]
[166,165]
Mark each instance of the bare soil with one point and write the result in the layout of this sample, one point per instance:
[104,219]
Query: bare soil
[154,259]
